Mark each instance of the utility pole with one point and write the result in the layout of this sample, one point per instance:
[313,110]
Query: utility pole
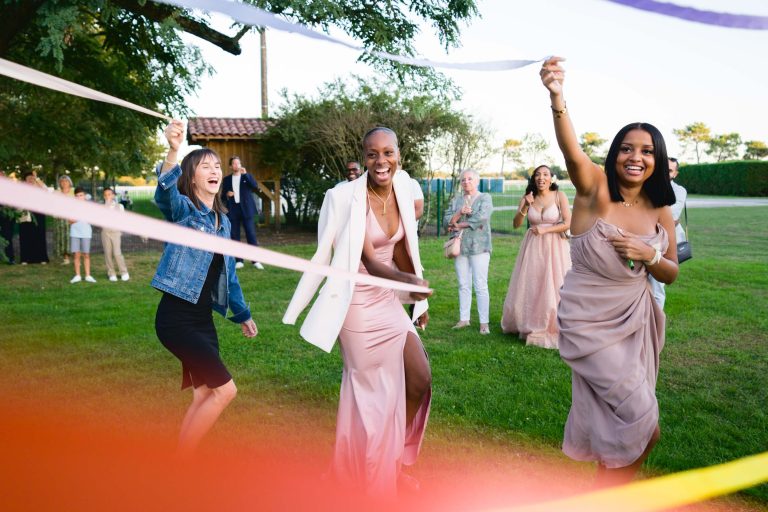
[264,103]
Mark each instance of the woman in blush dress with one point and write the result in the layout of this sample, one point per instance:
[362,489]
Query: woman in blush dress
[530,308]
[369,225]
[611,328]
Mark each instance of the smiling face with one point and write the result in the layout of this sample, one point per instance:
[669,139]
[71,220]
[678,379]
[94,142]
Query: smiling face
[635,161]
[469,181]
[381,156]
[353,171]
[542,177]
[207,178]
[109,196]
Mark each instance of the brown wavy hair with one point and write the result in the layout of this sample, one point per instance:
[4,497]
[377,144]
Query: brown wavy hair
[188,166]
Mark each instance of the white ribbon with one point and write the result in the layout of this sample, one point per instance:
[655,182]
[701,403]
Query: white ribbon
[253,16]
[27,197]
[25,74]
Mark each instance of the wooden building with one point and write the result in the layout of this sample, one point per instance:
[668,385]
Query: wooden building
[239,136]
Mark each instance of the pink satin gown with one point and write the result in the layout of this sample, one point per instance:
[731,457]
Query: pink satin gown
[372,441]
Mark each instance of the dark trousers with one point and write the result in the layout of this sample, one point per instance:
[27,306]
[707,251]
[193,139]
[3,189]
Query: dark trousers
[6,231]
[237,219]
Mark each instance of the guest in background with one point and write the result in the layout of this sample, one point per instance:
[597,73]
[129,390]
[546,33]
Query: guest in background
[61,226]
[469,216]
[659,290]
[32,242]
[238,189]
[530,308]
[8,218]
[110,241]
[353,170]
[80,233]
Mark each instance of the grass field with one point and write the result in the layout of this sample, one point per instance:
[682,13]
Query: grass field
[712,390]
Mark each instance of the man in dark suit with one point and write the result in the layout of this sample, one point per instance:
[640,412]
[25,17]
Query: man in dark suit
[237,191]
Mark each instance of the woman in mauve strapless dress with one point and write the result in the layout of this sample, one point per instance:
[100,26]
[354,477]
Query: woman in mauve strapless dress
[530,308]
[611,329]
[386,382]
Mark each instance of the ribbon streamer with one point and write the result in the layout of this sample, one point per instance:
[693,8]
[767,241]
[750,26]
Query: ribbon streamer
[253,16]
[720,19]
[32,76]
[665,492]
[27,197]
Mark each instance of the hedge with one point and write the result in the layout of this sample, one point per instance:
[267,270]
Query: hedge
[743,178]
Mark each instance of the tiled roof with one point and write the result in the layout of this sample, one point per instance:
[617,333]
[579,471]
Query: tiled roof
[226,127]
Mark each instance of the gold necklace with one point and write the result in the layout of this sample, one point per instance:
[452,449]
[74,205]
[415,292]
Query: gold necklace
[383,202]
[627,205]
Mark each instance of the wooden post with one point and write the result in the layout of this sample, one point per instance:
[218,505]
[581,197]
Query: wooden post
[264,103]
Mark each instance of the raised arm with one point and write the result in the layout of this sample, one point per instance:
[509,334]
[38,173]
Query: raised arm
[167,197]
[584,173]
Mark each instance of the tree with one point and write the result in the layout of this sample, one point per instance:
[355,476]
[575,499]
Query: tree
[314,137]
[464,145]
[132,49]
[724,147]
[510,150]
[755,150]
[591,143]
[533,147]
[694,135]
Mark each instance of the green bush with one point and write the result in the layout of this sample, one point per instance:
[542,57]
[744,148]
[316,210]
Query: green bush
[745,178]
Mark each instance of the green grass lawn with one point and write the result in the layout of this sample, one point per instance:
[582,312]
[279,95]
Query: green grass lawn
[713,384]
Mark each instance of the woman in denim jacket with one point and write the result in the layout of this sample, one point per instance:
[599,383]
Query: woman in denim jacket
[194,283]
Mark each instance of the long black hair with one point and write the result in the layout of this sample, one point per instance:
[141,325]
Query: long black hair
[532,182]
[188,166]
[657,187]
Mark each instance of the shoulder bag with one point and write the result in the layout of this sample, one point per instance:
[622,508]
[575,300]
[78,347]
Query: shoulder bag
[684,248]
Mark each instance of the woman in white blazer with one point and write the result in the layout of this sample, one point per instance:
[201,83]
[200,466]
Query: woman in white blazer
[369,226]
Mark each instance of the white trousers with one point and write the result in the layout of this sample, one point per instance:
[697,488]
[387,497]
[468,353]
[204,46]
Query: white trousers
[659,293]
[473,271]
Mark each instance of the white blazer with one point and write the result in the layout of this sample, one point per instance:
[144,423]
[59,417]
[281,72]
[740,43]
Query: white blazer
[341,231]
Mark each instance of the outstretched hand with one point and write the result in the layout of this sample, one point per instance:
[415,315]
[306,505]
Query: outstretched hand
[552,75]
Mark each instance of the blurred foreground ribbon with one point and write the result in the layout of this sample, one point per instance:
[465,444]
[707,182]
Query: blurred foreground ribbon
[27,197]
[720,19]
[32,76]
[665,492]
[253,16]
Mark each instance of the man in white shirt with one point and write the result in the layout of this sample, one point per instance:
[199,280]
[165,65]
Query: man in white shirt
[659,292]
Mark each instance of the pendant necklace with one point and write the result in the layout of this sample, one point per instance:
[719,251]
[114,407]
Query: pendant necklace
[627,205]
[383,201]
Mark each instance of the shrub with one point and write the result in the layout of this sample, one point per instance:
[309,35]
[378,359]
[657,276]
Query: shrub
[745,178]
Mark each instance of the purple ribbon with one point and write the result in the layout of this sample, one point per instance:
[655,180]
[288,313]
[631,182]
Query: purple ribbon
[720,19]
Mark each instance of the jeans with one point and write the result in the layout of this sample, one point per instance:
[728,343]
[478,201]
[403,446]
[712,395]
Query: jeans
[473,271]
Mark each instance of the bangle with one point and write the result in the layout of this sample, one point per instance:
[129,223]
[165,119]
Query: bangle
[559,113]
[656,258]
[523,213]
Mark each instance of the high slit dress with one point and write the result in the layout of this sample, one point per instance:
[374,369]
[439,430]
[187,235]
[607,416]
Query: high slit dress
[372,441]
[611,335]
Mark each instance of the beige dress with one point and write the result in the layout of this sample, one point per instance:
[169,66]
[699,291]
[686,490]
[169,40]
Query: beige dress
[530,308]
[611,334]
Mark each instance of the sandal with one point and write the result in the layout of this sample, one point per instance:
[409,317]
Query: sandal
[462,324]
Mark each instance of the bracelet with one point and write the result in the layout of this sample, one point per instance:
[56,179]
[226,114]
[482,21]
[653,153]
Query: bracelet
[559,113]
[656,258]
[523,213]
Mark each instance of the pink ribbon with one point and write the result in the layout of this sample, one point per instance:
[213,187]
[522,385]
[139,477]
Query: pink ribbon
[27,197]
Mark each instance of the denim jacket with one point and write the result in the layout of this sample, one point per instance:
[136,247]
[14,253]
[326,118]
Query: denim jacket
[182,270]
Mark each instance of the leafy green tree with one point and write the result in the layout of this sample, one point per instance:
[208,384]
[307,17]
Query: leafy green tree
[534,146]
[755,150]
[132,49]
[591,143]
[510,150]
[696,136]
[464,145]
[313,138]
[724,147]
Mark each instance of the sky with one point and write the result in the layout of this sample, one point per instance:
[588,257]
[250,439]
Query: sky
[623,65]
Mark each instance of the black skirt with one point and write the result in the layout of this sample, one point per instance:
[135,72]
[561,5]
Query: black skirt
[187,331]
